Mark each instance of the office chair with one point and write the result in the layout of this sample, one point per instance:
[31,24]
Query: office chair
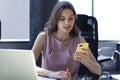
[89,30]
[108,54]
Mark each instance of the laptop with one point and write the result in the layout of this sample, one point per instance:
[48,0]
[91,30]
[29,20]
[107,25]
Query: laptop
[17,64]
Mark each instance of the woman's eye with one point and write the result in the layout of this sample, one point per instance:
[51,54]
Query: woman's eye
[62,19]
[70,18]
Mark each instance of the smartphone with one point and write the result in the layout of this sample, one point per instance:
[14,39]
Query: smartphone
[80,46]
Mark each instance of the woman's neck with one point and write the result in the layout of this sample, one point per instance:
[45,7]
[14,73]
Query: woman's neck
[62,36]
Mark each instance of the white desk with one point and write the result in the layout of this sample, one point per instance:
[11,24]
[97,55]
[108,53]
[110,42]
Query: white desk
[102,57]
[116,76]
[44,78]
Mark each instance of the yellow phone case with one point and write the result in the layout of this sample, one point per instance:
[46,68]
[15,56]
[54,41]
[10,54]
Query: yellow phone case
[82,45]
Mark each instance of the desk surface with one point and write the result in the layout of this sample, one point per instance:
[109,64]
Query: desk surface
[102,57]
[116,76]
[44,78]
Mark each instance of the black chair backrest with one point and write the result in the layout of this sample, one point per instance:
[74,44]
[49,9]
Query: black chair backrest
[89,30]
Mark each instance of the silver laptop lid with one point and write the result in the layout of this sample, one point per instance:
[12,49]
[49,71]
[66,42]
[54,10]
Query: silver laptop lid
[17,65]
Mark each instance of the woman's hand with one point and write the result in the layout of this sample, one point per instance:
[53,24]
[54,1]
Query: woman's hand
[87,59]
[60,75]
[83,57]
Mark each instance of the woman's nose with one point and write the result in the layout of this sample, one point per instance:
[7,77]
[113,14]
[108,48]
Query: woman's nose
[66,22]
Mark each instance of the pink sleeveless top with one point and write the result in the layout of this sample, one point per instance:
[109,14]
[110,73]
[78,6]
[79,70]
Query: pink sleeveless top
[58,55]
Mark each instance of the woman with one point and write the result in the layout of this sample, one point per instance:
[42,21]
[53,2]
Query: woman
[58,43]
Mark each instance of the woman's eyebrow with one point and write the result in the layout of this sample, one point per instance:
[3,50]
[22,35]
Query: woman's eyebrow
[69,16]
[72,15]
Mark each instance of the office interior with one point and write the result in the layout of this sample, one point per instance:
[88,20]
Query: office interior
[39,11]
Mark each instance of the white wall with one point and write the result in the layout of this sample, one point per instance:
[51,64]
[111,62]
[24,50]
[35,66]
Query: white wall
[15,22]
[108,15]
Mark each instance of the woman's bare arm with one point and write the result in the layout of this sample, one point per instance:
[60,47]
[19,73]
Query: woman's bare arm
[37,50]
[38,44]
[89,60]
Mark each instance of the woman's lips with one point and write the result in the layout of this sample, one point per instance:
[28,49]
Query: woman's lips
[67,27]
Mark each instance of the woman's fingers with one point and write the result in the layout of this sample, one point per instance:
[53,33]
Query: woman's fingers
[82,57]
[69,76]
[62,75]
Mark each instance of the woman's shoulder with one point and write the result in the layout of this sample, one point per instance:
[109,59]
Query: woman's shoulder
[82,39]
[42,34]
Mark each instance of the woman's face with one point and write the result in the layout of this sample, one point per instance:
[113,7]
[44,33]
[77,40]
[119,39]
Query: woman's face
[66,21]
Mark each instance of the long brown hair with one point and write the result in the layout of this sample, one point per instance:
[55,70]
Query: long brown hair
[51,25]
